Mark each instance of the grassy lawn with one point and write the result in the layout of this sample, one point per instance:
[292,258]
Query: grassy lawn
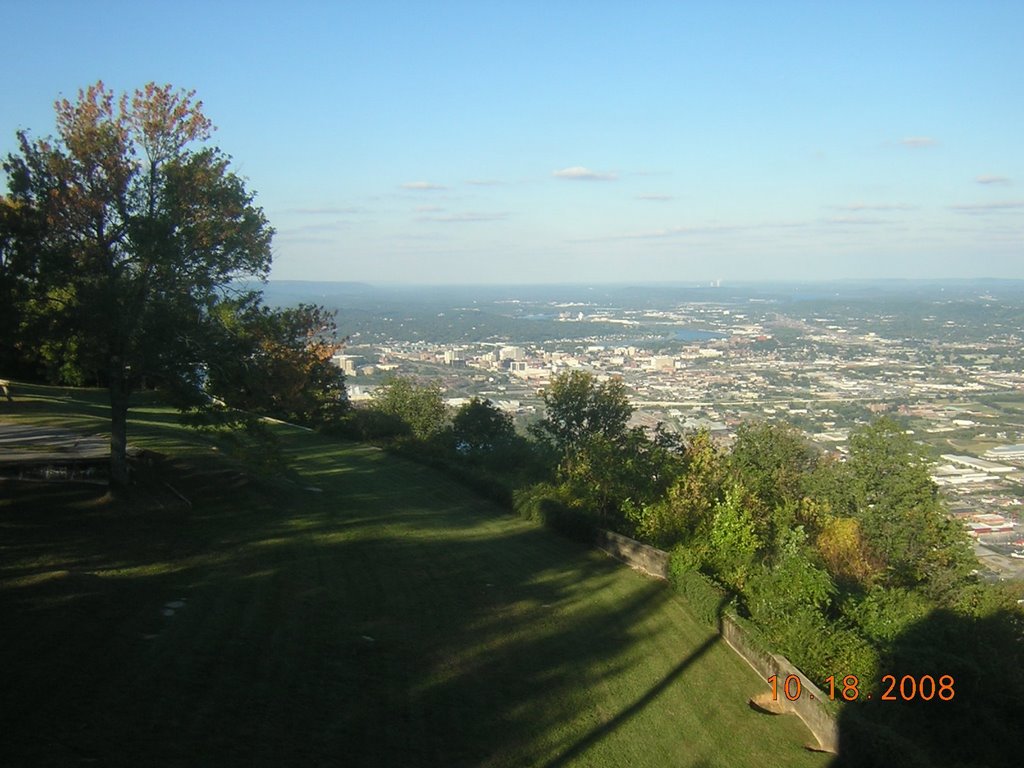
[388,618]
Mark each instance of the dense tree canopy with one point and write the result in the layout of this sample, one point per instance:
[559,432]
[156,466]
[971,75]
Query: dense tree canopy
[772,460]
[689,501]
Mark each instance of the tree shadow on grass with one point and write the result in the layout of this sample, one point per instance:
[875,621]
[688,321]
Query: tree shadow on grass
[603,730]
[391,619]
[357,649]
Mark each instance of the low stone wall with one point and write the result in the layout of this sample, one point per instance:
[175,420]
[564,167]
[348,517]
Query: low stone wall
[811,706]
[651,561]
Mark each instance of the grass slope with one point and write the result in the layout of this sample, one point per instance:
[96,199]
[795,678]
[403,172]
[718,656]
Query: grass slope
[390,619]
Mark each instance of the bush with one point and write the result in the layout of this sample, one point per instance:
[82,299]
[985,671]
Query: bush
[821,648]
[545,503]
[792,582]
[884,614]
[420,406]
[372,425]
[706,599]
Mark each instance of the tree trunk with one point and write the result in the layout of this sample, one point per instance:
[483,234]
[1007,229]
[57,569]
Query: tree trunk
[118,427]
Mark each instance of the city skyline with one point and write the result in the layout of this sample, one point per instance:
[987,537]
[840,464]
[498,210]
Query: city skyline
[475,143]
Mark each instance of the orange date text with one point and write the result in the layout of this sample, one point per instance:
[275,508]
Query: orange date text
[893,688]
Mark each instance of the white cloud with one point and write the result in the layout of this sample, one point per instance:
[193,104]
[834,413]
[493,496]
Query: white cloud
[579,173]
[856,220]
[918,142]
[466,217]
[422,186]
[992,179]
[1007,205]
[485,182]
[325,211]
[855,207]
[428,208]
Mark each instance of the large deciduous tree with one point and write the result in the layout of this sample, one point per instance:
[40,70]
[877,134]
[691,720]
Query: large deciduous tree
[137,226]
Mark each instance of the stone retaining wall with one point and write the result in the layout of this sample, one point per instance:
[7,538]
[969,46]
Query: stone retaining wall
[643,557]
[810,706]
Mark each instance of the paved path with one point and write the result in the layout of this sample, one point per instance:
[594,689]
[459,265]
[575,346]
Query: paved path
[24,444]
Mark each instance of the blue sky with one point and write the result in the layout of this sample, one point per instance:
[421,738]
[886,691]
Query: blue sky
[525,142]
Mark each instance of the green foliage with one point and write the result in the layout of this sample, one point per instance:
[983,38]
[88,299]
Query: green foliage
[981,600]
[373,425]
[884,614]
[888,470]
[126,231]
[547,504]
[689,500]
[578,408]
[821,648]
[830,485]
[479,427]
[899,511]
[21,229]
[771,460]
[604,466]
[793,582]
[418,405]
[703,597]
[733,542]
[276,362]
[610,475]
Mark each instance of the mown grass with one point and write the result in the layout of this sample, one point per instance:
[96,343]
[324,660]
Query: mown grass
[389,618]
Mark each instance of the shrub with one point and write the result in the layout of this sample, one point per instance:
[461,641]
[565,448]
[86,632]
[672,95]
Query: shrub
[822,648]
[791,583]
[733,539]
[705,598]
[883,614]
[420,406]
[373,425]
[546,504]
